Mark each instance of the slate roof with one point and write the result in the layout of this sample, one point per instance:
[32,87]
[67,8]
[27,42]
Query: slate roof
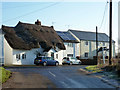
[90,36]
[25,36]
[66,36]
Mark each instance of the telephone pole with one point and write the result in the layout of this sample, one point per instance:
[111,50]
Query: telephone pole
[97,44]
[110,33]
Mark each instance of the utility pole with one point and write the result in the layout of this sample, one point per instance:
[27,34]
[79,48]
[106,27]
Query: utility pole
[97,44]
[110,34]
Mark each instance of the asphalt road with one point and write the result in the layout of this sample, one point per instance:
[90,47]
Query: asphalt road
[63,76]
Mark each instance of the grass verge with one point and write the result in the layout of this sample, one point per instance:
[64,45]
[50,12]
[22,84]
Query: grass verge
[4,74]
[93,69]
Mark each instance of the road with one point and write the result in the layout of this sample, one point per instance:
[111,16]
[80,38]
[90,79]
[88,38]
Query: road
[59,76]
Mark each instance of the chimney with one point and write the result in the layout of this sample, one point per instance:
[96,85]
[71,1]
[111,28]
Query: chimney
[38,22]
[52,27]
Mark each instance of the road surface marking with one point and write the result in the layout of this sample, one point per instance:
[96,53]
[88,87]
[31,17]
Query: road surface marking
[76,84]
[66,86]
[52,74]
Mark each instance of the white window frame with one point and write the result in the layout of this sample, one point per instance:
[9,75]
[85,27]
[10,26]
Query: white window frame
[23,56]
[18,56]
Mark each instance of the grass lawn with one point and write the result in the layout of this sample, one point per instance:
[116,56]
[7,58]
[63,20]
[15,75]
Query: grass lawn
[93,68]
[4,74]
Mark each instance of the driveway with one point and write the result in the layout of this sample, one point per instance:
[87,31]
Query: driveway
[52,77]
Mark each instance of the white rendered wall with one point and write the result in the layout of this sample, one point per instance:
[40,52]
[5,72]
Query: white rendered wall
[60,56]
[69,50]
[8,54]
[30,56]
[91,49]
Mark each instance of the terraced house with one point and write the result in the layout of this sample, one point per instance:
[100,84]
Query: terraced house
[87,43]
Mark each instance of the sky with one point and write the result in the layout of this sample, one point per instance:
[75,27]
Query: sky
[84,16]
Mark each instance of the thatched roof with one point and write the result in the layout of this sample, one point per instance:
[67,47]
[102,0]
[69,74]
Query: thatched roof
[26,36]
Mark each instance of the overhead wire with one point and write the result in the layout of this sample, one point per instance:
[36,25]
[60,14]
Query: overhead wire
[38,10]
[20,6]
[106,8]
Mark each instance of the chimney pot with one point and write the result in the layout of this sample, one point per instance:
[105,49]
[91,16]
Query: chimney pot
[38,22]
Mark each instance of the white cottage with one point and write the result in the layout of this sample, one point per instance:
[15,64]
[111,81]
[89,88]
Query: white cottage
[24,42]
[87,43]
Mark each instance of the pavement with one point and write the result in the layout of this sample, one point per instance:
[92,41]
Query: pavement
[54,77]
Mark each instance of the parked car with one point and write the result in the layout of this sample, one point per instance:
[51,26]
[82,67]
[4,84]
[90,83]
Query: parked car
[70,60]
[45,61]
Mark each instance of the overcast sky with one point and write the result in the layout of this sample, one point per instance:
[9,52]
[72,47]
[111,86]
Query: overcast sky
[84,16]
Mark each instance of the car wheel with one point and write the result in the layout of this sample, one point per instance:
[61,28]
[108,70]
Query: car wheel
[63,64]
[44,64]
[79,63]
[56,64]
[70,63]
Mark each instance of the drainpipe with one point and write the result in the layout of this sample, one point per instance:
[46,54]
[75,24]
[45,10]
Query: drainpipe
[80,48]
[73,49]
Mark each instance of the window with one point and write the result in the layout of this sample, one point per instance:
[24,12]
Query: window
[86,54]
[57,56]
[23,56]
[86,43]
[103,43]
[68,59]
[17,56]
[70,44]
[69,55]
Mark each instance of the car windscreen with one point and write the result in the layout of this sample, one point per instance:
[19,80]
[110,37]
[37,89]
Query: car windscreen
[64,58]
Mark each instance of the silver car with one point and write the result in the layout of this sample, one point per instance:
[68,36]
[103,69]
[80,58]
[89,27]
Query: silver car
[70,60]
